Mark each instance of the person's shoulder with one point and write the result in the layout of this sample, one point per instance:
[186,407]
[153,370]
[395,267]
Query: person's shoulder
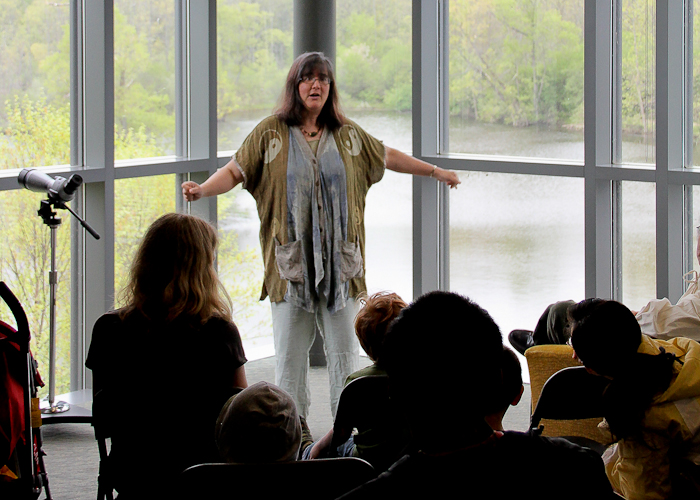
[371,370]
[220,331]
[348,124]
[273,122]
[559,452]
[108,320]
[105,337]
[218,324]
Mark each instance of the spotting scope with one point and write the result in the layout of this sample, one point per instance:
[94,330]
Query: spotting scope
[58,189]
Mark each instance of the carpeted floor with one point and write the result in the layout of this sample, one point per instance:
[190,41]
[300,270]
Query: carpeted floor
[71,451]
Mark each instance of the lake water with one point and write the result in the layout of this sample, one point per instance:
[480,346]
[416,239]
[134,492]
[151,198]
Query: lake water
[516,241]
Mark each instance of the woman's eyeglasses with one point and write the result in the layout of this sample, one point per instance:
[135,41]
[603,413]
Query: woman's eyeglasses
[323,80]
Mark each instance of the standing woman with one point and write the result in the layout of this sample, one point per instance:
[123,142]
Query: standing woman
[651,405]
[164,365]
[309,168]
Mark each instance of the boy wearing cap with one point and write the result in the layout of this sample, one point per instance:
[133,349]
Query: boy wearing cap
[260,424]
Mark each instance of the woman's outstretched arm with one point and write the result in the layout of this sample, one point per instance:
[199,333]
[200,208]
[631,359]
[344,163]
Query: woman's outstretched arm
[401,162]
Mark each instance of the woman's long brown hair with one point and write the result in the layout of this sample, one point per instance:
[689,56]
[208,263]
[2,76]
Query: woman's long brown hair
[173,273]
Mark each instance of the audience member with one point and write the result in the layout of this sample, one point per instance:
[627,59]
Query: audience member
[442,355]
[551,328]
[165,363]
[259,425]
[651,403]
[385,441]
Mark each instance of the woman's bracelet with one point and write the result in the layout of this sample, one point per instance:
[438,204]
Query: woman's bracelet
[433,170]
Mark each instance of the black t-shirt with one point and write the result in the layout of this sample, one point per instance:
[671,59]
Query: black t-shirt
[516,465]
[163,386]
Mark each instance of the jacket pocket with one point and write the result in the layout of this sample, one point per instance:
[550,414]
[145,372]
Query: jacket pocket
[288,258]
[351,265]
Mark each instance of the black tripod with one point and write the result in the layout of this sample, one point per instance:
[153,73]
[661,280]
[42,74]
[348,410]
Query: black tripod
[49,217]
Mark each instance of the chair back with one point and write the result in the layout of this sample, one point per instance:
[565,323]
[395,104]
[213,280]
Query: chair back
[363,402]
[319,479]
[383,436]
[544,361]
[572,394]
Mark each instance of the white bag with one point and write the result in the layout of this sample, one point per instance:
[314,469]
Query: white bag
[663,320]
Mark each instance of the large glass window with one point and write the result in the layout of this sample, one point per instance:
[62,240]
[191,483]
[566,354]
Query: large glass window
[516,244]
[35,132]
[254,52]
[374,67]
[25,262]
[34,84]
[374,82]
[516,78]
[637,87]
[638,244]
[138,202]
[695,80]
[389,236]
[515,88]
[695,232]
[144,78]
[241,270]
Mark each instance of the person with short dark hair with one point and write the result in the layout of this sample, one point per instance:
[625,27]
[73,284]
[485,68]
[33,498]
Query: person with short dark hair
[165,363]
[458,348]
[651,403]
[309,169]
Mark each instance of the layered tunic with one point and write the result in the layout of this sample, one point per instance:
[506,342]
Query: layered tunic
[311,209]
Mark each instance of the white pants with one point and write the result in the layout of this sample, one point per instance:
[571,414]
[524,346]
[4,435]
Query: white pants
[294,331]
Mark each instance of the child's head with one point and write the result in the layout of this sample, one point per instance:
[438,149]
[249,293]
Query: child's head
[373,320]
[257,425]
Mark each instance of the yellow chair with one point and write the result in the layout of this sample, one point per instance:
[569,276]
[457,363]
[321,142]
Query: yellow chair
[543,361]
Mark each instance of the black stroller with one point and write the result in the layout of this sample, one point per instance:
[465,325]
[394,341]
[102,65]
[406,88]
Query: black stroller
[22,473]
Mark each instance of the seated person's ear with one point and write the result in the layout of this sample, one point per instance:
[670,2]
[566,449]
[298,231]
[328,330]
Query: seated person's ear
[516,400]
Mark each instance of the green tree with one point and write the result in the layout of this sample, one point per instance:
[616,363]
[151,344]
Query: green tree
[374,54]
[638,67]
[38,134]
[30,31]
[518,62]
[144,72]
[35,137]
[253,58]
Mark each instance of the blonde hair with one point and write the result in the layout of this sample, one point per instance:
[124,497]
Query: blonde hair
[373,320]
[173,272]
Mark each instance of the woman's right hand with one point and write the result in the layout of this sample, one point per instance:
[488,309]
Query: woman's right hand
[191,191]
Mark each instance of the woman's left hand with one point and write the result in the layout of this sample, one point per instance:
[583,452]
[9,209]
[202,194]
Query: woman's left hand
[449,177]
